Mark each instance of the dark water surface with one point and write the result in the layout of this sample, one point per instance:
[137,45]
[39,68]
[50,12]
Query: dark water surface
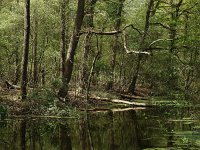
[152,129]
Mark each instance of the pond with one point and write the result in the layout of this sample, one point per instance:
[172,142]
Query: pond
[129,129]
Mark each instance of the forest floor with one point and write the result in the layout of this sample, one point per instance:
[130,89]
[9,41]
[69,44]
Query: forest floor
[41,103]
[10,102]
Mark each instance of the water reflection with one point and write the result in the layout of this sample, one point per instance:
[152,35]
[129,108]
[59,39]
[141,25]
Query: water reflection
[112,130]
[64,137]
[23,134]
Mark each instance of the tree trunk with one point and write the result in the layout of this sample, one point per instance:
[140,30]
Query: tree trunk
[85,65]
[132,86]
[25,50]
[41,63]
[64,4]
[35,45]
[72,48]
[172,80]
[17,64]
[17,59]
[115,46]
[92,71]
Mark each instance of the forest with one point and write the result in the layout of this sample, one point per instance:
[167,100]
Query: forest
[75,73]
[136,47]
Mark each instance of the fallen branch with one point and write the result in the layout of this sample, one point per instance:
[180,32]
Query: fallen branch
[129,103]
[133,97]
[96,110]
[121,102]
[11,86]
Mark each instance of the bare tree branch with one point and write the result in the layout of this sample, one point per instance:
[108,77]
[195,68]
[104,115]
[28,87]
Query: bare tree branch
[187,10]
[100,32]
[133,27]
[155,8]
[162,25]
[110,32]
[128,51]
[158,40]
[153,48]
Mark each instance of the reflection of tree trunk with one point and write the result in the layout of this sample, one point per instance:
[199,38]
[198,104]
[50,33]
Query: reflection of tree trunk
[83,135]
[65,139]
[23,134]
[40,143]
[132,86]
[72,48]
[170,135]
[112,140]
[33,137]
[14,137]
[89,133]
[138,130]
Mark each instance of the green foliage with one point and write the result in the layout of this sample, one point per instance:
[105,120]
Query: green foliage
[3,112]
[56,84]
[43,96]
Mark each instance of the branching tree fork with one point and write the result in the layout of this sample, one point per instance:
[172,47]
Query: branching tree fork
[69,62]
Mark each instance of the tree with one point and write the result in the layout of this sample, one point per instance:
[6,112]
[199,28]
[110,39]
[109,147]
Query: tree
[132,86]
[72,48]
[35,49]
[25,50]
[17,54]
[64,3]
[115,45]
[89,24]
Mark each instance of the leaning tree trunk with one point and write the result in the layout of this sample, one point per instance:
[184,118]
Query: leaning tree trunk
[72,48]
[132,86]
[25,50]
